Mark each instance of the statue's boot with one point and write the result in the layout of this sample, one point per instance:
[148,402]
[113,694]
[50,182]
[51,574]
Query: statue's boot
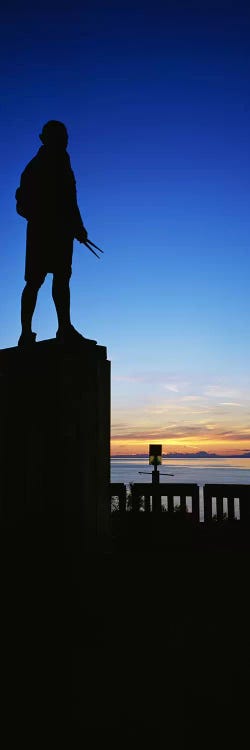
[27,339]
[67,334]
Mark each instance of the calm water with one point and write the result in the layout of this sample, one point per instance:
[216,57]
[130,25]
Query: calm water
[199,471]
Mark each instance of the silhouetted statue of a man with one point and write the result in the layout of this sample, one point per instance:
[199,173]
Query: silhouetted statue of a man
[47,199]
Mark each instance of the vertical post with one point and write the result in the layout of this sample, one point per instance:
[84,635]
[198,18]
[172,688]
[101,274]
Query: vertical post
[170,503]
[147,503]
[196,505]
[183,504]
[244,508]
[156,499]
[219,508]
[207,505]
[156,502]
[155,473]
[135,500]
[230,508]
[122,499]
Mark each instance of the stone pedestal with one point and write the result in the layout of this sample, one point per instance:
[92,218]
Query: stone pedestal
[55,436]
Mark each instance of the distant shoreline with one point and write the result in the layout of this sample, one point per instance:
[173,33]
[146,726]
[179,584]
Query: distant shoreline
[182,455]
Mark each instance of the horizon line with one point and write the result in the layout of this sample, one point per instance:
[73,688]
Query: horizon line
[212,454]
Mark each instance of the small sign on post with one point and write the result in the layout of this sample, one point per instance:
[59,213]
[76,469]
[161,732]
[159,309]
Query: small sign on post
[155,454]
[155,457]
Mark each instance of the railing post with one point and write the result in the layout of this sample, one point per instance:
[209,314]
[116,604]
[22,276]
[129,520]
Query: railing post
[183,506]
[170,503]
[219,507]
[231,508]
[147,503]
[135,500]
[245,509]
[196,505]
[207,505]
[156,501]
[123,500]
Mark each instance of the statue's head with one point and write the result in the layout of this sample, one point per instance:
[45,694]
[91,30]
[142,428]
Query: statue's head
[54,134]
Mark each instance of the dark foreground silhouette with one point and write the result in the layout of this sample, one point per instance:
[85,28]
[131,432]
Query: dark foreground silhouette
[47,199]
[151,636]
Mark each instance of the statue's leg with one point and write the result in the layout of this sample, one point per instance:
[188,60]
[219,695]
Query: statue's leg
[28,303]
[61,297]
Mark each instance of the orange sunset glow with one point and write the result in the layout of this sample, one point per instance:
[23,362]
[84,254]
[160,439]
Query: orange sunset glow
[225,448]
[215,419]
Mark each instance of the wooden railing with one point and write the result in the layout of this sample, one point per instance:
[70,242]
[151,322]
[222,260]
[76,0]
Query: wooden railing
[153,494]
[220,500]
[228,493]
[119,491]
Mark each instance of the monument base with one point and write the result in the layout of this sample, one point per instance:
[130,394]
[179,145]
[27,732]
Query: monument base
[55,438]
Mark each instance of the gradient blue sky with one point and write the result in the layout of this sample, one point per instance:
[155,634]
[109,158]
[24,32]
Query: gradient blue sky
[156,99]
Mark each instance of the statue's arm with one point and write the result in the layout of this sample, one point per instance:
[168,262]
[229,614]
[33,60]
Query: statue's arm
[80,231]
